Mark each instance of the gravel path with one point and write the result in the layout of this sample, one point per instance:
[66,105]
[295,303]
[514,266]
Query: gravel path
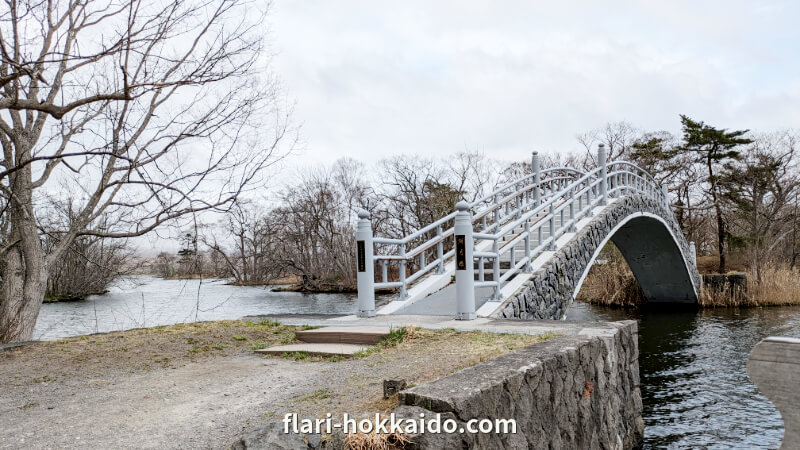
[201,405]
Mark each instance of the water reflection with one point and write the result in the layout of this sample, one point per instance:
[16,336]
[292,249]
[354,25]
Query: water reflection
[694,383]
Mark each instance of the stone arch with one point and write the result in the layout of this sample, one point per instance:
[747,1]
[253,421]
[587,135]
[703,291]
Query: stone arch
[650,240]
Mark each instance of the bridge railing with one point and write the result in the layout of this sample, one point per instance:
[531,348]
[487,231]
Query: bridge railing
[548,201]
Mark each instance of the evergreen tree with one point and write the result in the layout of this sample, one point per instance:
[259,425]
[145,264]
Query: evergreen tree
[713,147]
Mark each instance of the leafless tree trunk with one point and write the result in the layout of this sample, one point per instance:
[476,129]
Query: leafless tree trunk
[154,109]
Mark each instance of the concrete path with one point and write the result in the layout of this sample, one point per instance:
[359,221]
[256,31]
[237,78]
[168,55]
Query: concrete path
[562,327]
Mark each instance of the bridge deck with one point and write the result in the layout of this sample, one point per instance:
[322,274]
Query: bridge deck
[443,302]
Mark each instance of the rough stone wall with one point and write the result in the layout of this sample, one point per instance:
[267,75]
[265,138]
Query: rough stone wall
[549,291]
[575,391]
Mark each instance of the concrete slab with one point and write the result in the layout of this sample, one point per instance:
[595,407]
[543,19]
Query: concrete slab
[774,367]
[316,349]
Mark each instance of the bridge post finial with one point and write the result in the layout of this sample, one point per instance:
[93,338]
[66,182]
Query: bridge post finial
[465,265]
[365,266]
[537,177]
[603,164]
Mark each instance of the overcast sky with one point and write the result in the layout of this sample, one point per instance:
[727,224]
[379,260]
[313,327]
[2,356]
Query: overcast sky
[372,79]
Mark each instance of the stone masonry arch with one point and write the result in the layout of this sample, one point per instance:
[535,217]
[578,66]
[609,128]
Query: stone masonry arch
[649,239]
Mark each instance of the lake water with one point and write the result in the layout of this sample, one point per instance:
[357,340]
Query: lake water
[143,301]
[694,383]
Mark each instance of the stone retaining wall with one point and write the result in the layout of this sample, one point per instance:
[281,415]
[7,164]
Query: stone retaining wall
[551,289]
[571,392]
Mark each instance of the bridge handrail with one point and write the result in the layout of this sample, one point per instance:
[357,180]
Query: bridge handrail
[538,198]
[648,186]
[415,234]
[522,179]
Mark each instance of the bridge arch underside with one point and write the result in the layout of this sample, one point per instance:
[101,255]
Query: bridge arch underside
[655,260]
[650,240]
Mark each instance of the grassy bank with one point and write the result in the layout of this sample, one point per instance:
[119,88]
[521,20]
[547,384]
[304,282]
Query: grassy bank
[169,347]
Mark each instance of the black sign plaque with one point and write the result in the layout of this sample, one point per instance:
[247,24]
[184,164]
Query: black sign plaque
[461,252]
[362,263]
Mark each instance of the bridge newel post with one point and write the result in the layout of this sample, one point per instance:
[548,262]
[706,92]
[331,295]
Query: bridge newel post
[365,270]
[465,265]
[693,252]
[603,164]
[537,178]
[665,194]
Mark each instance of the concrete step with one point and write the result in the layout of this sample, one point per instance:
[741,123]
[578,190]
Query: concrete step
[344,335]
[315,349]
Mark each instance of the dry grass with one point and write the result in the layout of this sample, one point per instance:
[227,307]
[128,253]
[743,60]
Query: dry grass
[612,283]
[779,286]
[375,441]
[139,350]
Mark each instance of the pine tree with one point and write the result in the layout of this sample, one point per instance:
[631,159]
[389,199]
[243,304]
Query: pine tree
[713,148]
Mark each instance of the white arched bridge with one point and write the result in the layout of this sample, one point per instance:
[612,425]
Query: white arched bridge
[524,250]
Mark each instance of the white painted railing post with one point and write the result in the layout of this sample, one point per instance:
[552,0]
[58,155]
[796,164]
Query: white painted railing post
[528,247]
[665,194]
[440,251]
[537,178]
[496,269]
[572,227]
[693,252]
[465,266]
[496,210]
[401,295]
[365,270]
[601,162]
[552,229]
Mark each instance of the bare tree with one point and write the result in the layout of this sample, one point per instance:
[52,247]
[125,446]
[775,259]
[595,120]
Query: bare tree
[318,216]
[758,191]
[89,264]
[154,109]
[472,174]
[415,191]
[618,138]
[252,254]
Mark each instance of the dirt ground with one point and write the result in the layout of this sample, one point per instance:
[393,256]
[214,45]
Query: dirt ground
[200,385]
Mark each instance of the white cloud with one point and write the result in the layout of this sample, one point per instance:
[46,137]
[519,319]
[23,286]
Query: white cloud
[373,80]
